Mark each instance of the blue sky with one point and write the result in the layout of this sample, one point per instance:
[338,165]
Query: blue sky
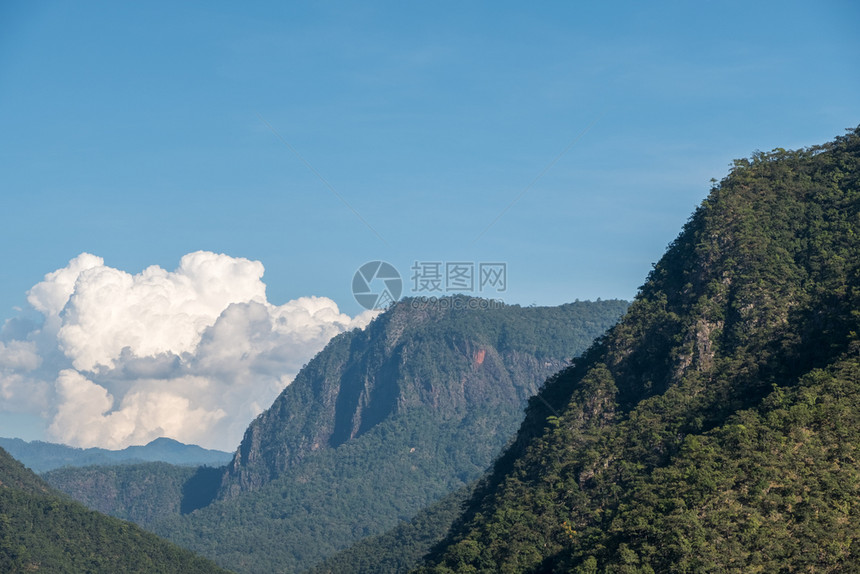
[137,132]
[570,141]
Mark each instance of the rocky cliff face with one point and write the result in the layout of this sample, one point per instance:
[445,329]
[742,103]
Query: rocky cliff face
[452,361]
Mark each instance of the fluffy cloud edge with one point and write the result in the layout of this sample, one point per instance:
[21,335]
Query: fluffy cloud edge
[192,354]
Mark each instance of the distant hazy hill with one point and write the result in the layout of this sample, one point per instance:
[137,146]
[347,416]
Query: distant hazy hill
[379,424]
[716,428]
[43,456]
[43,531]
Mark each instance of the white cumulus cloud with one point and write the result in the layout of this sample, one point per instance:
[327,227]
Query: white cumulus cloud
[156,311]
[193,354]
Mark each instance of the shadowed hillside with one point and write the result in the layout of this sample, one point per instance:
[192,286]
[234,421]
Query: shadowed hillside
[43,531]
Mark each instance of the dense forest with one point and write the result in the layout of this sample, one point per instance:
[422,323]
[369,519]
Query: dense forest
[380,424]
[715,427]
[142,492]
[403,547]
[43,531]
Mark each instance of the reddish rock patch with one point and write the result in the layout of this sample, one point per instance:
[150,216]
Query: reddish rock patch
[479,356]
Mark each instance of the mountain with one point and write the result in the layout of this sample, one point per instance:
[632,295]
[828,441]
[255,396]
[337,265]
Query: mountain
[42,530]
[458,366]
[379,424]
[44,456]
[715,428]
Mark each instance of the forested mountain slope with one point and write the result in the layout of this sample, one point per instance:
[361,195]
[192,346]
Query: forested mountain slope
[379,424]
[43,531]
[402,548]
[143,493]
[716,427]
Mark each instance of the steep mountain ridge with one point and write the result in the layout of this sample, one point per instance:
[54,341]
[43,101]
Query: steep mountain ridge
[651,452]
[492,358]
